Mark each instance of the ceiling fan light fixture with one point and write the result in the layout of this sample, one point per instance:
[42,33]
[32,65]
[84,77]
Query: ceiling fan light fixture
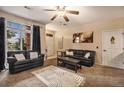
[27,7]
[60,13]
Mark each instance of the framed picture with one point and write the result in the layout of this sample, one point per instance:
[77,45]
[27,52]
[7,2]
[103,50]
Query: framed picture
[84,37]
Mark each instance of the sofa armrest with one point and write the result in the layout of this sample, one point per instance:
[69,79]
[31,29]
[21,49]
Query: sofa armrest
[11,60]
[92,58]
[41,56]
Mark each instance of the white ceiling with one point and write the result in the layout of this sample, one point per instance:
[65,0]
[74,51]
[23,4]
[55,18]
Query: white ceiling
[86,14]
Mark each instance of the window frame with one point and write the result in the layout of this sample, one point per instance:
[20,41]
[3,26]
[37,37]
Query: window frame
[22,31]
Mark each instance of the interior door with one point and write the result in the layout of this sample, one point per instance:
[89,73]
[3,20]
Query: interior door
[106,53]
[112,46]
[50,45]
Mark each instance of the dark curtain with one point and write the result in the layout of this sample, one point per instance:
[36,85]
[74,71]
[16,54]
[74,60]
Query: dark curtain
[2,43]
[36,38]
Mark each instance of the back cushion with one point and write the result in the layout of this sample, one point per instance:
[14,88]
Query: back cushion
[33,55]
[19,57]
[12,53]
[79,53]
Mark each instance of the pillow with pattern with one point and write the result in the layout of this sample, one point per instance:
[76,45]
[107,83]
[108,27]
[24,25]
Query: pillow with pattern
[87,55]
[69,53]
[19,57]
[33,55]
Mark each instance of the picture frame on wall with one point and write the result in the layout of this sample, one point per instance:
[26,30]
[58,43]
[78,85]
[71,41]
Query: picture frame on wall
[83,37]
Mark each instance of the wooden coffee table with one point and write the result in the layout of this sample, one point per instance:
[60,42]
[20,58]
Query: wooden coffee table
[70,61]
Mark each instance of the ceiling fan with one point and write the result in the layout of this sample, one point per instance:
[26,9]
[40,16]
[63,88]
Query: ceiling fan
[61,11]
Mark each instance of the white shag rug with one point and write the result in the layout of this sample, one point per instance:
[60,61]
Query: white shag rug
[53,76]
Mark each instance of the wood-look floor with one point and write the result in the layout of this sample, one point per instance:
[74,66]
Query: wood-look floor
[96,76]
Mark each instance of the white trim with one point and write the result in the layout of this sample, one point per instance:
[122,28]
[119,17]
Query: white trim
[121,29]
[19,22]
[5,38]
[31,38]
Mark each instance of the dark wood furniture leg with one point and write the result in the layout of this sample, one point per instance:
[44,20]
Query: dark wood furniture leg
[80,66]
[75,68]
[58,62]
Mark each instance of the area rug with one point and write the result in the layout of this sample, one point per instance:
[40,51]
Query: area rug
[92,80]
[30,82]
[53,76]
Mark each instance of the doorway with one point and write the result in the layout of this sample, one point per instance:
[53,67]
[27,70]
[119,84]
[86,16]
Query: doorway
[112,46]
[50,44]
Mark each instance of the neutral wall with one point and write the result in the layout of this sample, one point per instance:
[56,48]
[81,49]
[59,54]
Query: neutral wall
[67,33]
[28,22]
[97,28]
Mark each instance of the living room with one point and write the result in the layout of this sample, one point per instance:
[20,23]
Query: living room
[92,38]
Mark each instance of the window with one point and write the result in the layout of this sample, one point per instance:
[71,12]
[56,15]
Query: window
[14,40]
[18,36]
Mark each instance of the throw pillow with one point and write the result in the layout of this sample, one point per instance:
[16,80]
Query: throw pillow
[19,57]
[87,55]
[69,53]
[33,55]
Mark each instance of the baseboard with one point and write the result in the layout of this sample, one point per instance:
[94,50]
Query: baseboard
[110,66]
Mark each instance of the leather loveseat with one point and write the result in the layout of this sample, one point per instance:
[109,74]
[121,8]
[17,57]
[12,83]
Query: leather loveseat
[79,54]
[17,66]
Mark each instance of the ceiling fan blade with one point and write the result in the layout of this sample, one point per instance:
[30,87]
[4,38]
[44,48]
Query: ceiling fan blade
[64,7]
[57,7]
[72,12]
[66,18]
[27,7]
[49,10]
[61,7]
[54,17]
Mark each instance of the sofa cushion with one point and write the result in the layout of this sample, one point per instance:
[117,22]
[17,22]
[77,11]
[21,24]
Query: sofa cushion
[19,57]
[85,59]
[36,60]
[80,58]
[26,61]
[79,53]
[70,56]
